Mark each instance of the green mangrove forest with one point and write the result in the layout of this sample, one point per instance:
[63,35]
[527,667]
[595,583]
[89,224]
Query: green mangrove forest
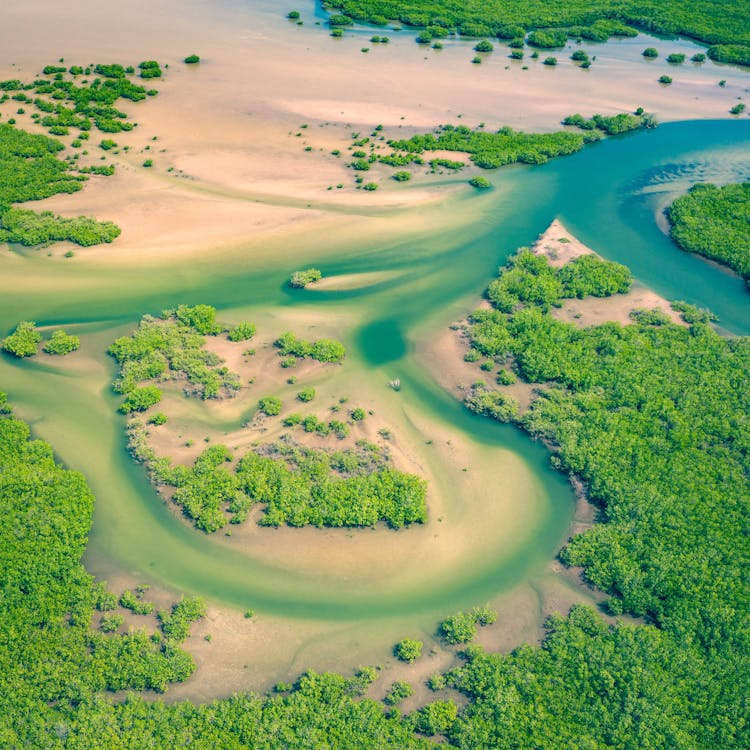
[723,22]
[715,222]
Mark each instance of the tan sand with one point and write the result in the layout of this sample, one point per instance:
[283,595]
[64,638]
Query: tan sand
[346,281]
[560,247]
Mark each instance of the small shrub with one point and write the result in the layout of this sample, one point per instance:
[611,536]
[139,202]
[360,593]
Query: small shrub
[666,80]
[402,176]
[149,69]
[158,419]
[140,399]
[408,650]
[293,15]
[650,52]
[548,39]
[242,332]
[270,406]
[458,628]
[435,718]
[357,414]
[191,60]
[300,279]
[110,623]
[484,615]
[436,682]
[61,343]
[306,394]
[484,46]
[135,603]
[399,692]
[552,61]
[370,186]
[676,58]
[24,341]
[481,183]
[338,19]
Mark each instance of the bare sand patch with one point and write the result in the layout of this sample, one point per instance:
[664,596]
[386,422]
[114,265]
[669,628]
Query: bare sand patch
[346,281]
[560,247]
[594,311]
[444,355]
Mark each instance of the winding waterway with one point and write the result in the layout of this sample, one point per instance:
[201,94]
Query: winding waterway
[606,194]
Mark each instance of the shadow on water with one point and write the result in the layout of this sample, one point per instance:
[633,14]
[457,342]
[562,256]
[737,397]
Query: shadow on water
[382,342]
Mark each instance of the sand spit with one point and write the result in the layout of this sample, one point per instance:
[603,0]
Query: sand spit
[560,247]
[444,353]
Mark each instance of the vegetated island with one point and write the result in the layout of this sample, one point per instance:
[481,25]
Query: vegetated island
[304,277]
[453,144]
[723,22]
[25,339]
[298,478]
[715,222]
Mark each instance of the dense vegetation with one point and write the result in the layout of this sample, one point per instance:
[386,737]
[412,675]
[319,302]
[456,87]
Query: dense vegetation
[52,664]
[507,146]
[718,22]
[492,150]
[654,418]
[323,350]
[31,170]
[737,54]
[54,667]
[30,228]
[171,347]
[589,685]
[302,278]
[715,222]
[298,486]
[612,124]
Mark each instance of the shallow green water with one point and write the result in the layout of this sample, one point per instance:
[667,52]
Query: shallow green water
[606,195]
